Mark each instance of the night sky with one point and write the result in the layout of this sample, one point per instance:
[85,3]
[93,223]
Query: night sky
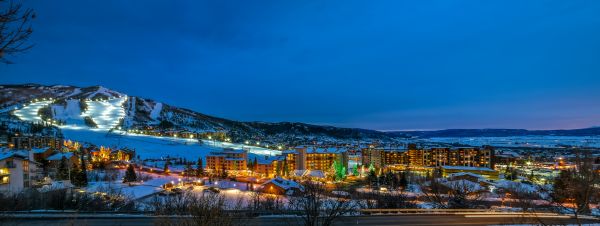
[387,65]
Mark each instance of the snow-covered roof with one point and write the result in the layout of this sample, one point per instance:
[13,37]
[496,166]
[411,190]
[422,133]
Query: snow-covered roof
[465,174]
[468,168]
[463,184]
[39,150]
[314,173]
[298,173]
[10,154]
[59,156]
[285,184]
[326,150]
[289,152]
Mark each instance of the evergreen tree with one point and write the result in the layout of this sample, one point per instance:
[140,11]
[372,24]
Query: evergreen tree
[255,167]
[371,177]
[74,174]
[286,169]
[278,169]
[355,171]
[166,168]
[63,171]
[403,183]
[223,171]
[200,168]
[371,168]
[130,175]
[339,170]
[82,176]
[189,170]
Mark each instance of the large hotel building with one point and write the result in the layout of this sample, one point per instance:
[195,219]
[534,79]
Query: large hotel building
[429,157]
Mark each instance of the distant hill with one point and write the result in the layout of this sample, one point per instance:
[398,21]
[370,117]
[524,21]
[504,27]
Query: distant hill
[141,112]
[594,131]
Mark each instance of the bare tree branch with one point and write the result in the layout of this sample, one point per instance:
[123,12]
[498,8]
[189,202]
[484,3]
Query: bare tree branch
[15,29]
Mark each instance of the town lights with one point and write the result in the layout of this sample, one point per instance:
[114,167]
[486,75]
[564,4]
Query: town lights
[191,136]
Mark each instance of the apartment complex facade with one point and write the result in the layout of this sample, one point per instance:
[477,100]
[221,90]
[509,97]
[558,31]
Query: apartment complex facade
[29,142]
[228,160]
[317,158]
[429,157]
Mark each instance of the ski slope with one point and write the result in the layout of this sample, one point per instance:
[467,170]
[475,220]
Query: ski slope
[29,112]
[106,114]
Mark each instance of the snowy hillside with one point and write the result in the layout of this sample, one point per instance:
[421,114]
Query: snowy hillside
[99,108]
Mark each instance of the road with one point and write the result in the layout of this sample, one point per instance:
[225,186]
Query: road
[286,221]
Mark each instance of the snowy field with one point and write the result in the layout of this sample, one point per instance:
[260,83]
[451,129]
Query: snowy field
[149,147]
[524,141]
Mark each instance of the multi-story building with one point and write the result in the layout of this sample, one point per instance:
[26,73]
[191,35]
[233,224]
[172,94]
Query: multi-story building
[17,171]
[381,157]
[228,160]
[29,142]
[318,158]
[429,157]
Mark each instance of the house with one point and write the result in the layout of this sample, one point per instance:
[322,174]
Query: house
[42,153]
[54,160]
[280,186]
[122,155]
[17,171]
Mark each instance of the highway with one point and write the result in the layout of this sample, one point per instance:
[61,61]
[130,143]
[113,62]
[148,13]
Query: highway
[405,219]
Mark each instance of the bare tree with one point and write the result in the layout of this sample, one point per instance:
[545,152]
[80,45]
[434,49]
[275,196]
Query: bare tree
[15,29]
[460,194]
[575,189]
[317,207]
[265,202]
[205,209]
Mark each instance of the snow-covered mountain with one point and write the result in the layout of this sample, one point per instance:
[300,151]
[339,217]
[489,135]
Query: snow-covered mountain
[99,107]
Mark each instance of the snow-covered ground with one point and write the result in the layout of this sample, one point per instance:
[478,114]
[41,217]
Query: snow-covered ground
[150,147]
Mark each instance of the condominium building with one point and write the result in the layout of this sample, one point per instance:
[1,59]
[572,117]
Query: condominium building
[430,157]
[16,170]
[29,142]
[228,160]
[319,158]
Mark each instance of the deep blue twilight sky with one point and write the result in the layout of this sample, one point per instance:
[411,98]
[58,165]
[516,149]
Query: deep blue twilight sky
[373,64]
